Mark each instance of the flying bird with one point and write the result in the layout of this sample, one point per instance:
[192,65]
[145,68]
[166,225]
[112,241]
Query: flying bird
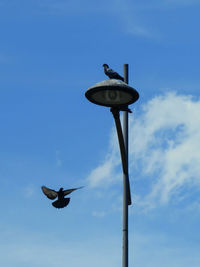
[62,201]
[111,73]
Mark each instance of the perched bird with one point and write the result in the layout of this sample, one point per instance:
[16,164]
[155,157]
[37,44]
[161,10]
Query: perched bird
[111,73]
[52,194]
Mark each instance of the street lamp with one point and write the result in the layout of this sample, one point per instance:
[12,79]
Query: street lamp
[118,95]
[112,93]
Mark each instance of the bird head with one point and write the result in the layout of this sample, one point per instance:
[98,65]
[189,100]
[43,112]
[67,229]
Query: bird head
[61,189]
[105,66]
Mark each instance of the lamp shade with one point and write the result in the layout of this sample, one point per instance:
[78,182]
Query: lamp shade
[112,93]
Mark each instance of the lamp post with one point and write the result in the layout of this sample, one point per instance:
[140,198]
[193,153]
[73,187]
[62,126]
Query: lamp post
[118,95]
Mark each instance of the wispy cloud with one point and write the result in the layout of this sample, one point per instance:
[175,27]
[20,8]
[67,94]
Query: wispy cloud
[124,14]
[106,174]
[130,17]
[134,16]
[166,141]
[164,149]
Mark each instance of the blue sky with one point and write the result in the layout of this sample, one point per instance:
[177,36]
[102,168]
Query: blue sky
[51,52]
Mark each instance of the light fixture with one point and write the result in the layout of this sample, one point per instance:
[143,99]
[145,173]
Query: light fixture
[112,93]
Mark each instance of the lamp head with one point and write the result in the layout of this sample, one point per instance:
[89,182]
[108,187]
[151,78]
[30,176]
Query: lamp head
[112,93]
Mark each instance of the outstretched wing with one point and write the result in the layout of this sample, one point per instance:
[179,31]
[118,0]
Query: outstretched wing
[50,193]
[68,191]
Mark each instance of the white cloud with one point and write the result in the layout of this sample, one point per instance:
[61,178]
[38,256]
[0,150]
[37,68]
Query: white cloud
[166,140]
[106,174]
[164,150]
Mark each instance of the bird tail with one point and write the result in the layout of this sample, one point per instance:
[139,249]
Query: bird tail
[59,204]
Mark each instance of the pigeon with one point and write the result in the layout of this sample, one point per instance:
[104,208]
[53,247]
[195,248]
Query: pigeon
[111,73]
[52,194]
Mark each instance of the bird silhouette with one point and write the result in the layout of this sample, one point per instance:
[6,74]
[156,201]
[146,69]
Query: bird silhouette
[111,73]
[52,194]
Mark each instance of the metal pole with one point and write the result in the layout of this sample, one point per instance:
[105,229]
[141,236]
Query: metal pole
[126,185]
[115,112]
